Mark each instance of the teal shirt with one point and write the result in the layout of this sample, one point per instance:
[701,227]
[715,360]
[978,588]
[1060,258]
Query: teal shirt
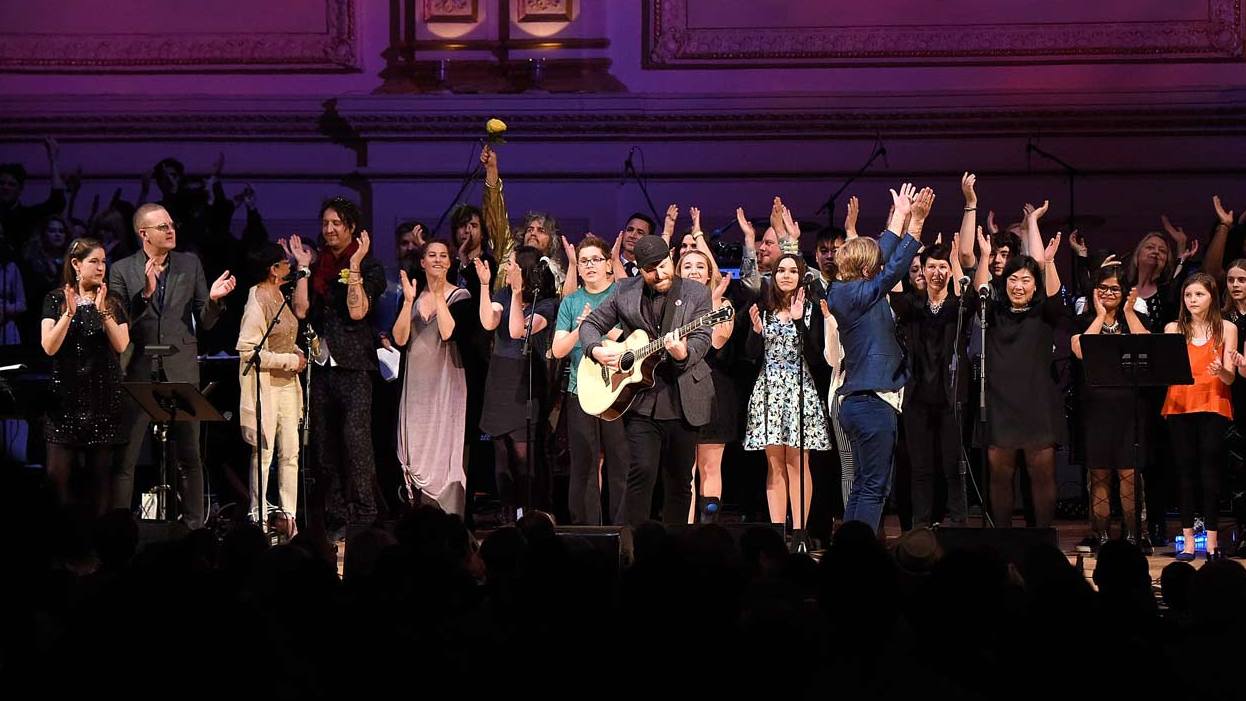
[570,308]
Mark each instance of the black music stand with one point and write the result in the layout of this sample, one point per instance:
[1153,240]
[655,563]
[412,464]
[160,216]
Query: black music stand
[1134,361]
[164,403]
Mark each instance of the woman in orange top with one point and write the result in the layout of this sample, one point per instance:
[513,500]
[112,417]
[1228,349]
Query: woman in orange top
[1199,414]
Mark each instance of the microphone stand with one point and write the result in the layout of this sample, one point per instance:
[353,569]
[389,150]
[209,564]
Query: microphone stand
[800,537]
[629,170]
[253,363]
[462,188]
[984,301]
[1069,171]
[958,406]
[829,205]
[305,424]
[530,412]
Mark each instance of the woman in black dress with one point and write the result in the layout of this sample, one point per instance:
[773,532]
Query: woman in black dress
[530,294]
[1024,408]
[1109,414]
[84,330]
[1235,311]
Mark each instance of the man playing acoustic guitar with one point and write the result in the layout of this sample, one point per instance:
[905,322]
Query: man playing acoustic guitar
[662,421]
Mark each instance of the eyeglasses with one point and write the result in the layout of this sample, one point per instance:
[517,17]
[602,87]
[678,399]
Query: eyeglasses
[595,260]
[163,228]
[1108,289]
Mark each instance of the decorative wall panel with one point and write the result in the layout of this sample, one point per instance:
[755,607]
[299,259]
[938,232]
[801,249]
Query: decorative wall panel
[158,37]
[713,34]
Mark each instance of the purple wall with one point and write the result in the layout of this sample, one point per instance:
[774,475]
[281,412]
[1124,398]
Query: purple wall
[729,107]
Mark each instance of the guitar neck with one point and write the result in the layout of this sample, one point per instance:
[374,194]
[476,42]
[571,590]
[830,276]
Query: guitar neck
[682,332]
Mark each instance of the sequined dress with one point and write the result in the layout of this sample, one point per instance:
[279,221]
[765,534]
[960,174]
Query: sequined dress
[84,406]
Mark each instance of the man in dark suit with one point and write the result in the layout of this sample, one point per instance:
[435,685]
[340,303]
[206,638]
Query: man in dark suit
[168,301]
[873,363]
[662,422]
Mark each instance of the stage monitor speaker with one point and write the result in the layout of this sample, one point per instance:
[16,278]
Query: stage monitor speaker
[735,529]
[152,532]
[1010,543]
[615,542]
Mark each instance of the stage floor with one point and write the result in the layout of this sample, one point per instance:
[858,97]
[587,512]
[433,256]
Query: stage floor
[1069,533]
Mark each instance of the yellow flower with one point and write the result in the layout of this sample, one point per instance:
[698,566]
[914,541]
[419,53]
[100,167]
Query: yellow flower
[343,276]
[495,127]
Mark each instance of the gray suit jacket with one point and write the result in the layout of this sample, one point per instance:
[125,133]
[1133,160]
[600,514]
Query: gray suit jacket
[186,308]
[696,386]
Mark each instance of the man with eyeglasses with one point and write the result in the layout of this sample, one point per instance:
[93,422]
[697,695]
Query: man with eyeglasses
[168,301]
[589,436]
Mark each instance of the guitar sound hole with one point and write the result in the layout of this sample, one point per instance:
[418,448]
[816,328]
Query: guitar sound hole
[626,361]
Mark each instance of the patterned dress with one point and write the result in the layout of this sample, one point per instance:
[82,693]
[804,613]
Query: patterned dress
[772,408]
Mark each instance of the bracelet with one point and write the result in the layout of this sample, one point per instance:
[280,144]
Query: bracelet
[1222,225]
[698,234]
[971,209]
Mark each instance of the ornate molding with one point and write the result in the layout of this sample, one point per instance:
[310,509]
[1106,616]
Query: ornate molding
[334,49]
[670,43]
[364,125]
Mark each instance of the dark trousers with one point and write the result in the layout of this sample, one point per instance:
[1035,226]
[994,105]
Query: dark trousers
[666,446]
[870,424]
[184,465]
[343,471]
[933,446]
[588,437]
[1198,447]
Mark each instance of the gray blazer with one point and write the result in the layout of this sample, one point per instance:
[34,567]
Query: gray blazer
[186,308]
[696,386]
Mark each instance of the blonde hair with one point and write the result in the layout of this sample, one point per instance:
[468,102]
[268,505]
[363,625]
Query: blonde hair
[709,265]
[857,259]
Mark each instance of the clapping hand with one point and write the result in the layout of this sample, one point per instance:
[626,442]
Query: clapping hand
[1225,218]
[71,301]
[365,242]
[755,315]
[482,271]
[746,228]
[1078,244]
[409,287]
[797,308]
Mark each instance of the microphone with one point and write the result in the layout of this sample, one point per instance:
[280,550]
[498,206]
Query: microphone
[882,151]
[986,291]
[963,282]
[296,274]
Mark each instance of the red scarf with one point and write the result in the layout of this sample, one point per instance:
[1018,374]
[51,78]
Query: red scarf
[328,268]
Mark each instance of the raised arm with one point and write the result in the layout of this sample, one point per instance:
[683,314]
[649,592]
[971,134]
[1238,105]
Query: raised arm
[1051,276]
[572,282]
[490,312]
[357,302]
[1033,238]
[749,274]
[850,219]
[402,325]
[968,221]
[668,223]
[493,205]
[1213,262]
[982,274]
[299,301]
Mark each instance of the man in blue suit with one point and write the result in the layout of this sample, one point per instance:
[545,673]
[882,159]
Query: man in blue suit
[873,363]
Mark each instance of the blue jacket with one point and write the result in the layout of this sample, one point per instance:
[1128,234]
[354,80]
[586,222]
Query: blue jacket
[873,359]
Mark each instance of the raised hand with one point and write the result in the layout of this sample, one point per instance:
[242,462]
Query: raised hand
[53,149]
[301,254]
[489,159]
[1177,233]
[791,225]
[1224,217]
[920,208]
[1100,311]
[409,287]
[668,224]
[984,244]
[514,275]
[420,236]
[1190,251]
[218,165]
[1033,213]
[721,288]
[755,316]
[850,219]
[991,226]
[151,271]
[1131,302]
[967,181]
[1052,247]
[365,242]
[71,300]
[1078,244]
[902,201]
[222,286]
[482,271]
[776,216]
[568,249]
[746,228]
[797,309]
